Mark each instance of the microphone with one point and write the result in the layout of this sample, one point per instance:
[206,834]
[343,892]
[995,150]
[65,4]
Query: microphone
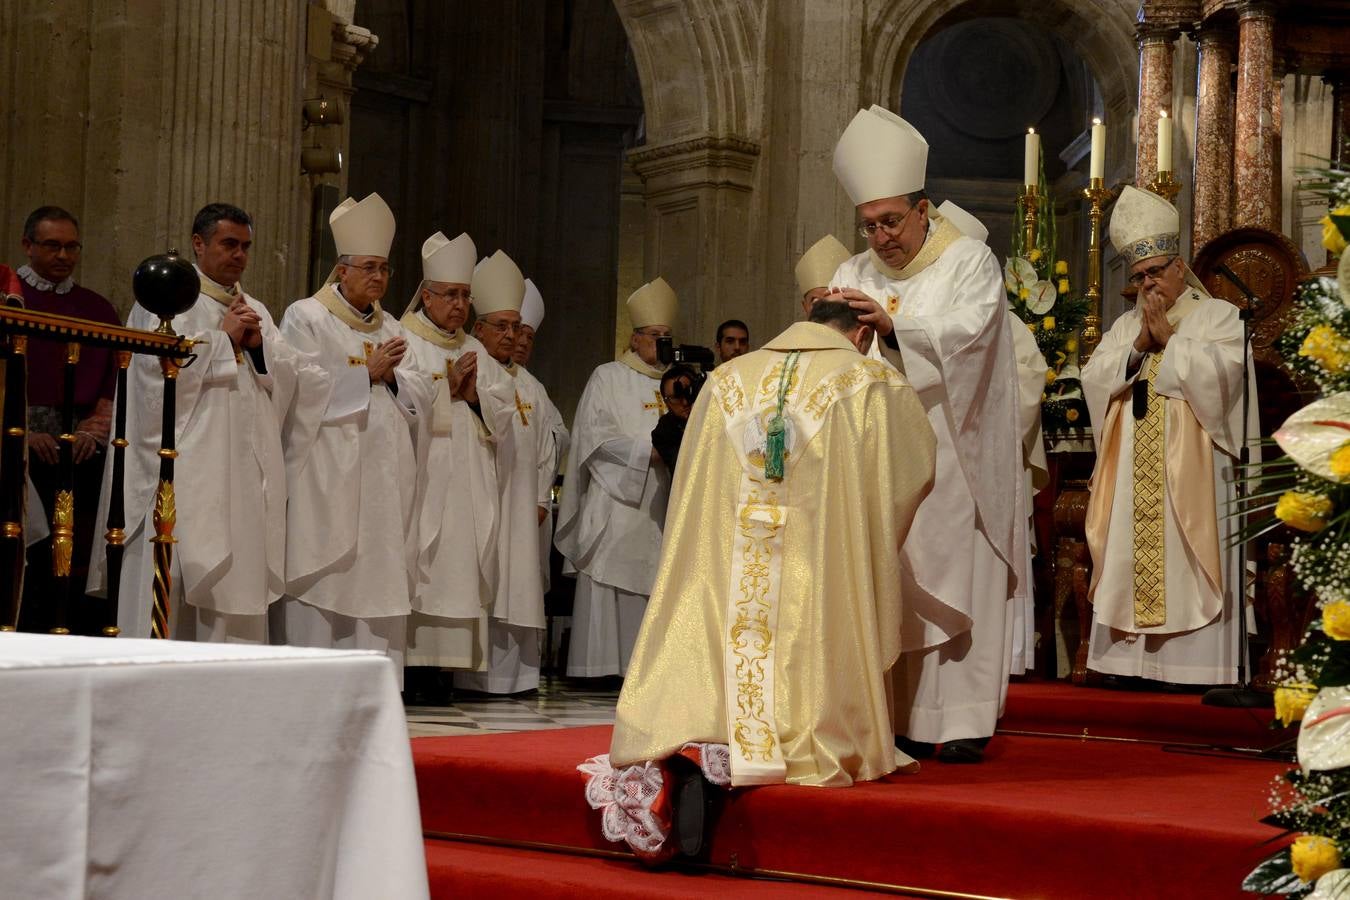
[1252,300]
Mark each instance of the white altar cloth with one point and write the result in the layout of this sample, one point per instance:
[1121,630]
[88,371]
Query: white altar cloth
[156,769]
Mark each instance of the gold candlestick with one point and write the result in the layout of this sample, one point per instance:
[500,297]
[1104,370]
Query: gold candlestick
[1097,195]
[1165,186]
[1029,206]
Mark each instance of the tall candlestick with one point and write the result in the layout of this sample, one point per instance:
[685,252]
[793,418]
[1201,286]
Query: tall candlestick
[1097,166]
[1031,163]
[1164,142]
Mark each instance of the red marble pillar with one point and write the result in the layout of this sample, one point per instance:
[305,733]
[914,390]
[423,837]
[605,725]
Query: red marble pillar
[1253,165]
[1213,175]
[1155,93]
[1277,143]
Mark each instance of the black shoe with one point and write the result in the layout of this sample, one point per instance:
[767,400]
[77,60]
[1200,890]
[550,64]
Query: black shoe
[914,749]
[964,750]
[689,806]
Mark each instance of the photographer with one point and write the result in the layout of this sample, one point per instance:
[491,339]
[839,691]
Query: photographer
[679,388]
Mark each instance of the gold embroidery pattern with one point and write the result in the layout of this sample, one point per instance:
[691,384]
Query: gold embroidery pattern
[728,391]
[63,533]
[768,388]
[751,634]
[1150,600]
[523,408]
[658,404]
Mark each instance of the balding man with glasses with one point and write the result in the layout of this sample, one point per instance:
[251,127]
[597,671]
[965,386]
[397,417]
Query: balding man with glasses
[1164,392]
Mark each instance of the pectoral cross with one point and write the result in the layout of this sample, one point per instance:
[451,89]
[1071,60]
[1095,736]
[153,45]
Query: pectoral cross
[659,404]
[523,408]
[361,360]
[892,304]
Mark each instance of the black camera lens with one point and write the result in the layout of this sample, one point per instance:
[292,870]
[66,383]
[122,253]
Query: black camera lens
[665,350]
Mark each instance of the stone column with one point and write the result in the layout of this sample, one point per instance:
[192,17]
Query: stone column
[1277,142]
[1213,176]
[1340,115]
[1155,95]
[1253,165]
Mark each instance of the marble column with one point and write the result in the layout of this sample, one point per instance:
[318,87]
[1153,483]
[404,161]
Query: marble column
[1277,142]
[1213,175]
[1253,163]
[1155,95]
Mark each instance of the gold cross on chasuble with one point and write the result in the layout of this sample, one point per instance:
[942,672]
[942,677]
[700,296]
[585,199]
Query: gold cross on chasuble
[523,408]
[659,404]
[1150,571]
[367,346]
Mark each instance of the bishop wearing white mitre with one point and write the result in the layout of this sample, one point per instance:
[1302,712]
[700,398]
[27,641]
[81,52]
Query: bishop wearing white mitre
[614,493]
[352,543]
[937,300]
[526,461]
[458,503]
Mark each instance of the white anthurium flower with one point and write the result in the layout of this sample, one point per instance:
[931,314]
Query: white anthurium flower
[1324,736]
[1070,372]
[1315,432]
[1335,885]
[1070,394]
[1043,297]
[1018,273]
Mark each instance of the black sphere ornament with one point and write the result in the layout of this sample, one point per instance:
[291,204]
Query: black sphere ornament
[166,284]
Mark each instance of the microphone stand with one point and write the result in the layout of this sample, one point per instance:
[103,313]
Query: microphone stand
[1242,695]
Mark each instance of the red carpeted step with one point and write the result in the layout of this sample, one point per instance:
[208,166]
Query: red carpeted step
[463,870]
[1041,817]
[1061,708]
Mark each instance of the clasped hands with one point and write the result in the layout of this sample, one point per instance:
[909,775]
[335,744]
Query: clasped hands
[463,378]
[243,324]
[1154,329]
[384,358]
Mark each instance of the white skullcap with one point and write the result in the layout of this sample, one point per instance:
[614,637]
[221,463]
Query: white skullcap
[818,264]
[965,223]
[363,229]
[532,307]
[880,155]
[654,303]
[497,285]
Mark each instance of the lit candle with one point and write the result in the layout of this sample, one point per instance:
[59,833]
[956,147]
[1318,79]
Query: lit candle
[1031,165]
[1164,142]
[1097,166]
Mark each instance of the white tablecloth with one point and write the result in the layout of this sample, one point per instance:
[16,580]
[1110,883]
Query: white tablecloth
[159,769]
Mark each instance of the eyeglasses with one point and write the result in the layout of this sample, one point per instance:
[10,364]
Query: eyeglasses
[889,224]
[652,334]
[71,247]
[501,326]
[1154,272]
[460,295]
[370,270]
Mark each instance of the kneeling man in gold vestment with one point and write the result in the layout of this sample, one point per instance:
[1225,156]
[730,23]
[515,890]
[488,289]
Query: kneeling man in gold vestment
[775,618]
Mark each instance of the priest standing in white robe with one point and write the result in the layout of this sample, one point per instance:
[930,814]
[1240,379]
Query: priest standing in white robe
[458,503]
[937,301]
[229,563]
[531,317]
[1164,392]
[1031,369]
[351,545]
[614,493]
[526,462]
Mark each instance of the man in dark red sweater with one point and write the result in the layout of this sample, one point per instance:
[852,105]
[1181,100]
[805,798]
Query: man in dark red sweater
[51,240]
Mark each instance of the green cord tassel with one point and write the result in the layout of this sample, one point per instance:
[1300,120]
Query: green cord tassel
[773,449]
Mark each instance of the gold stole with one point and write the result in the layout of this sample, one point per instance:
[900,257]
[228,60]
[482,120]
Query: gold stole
[219,294]
[636,363]
[934,245]
[333,302]
[419,325]
[1150,557]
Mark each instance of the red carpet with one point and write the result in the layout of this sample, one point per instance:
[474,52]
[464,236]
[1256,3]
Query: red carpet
[1042,817]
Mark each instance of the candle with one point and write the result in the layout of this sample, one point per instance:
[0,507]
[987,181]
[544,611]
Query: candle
[1097,166]
[1031,165]
[1164,142]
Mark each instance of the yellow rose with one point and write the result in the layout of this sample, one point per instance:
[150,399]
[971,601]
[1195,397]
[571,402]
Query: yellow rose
[1325,346]
[1071,345]
[1292,701]
[1064,285]
[1048,323]
[1061,268]
[1332,238]
[1035,255]
[1313,856]
[1340,461]
[1050,376]
[1336,620]
[1031,326]
[1071,414]
[1304,511]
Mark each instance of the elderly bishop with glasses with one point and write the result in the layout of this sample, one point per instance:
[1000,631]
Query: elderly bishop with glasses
[936,300]
[1164,391]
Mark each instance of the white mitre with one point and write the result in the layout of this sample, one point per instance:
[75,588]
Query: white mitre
[818,264]
[363,229]
[446,262]
[965,223]
[497,285]
[532,307]
[654,303]
[880,155]
[1143,226]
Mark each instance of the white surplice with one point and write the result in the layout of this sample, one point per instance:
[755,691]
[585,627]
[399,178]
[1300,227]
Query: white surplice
[965,553]
[612,512]
[352,539]
[458,503]
[229,478]
[1031,369]
[526,464]
[552,420]
[1202,368]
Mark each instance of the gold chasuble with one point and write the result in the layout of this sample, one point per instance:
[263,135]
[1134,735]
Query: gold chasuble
[775,615]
